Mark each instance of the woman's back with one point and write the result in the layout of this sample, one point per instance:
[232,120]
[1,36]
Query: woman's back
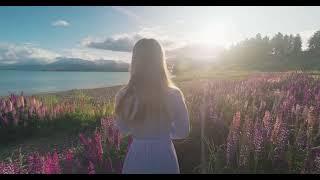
[152,150]
[161,127]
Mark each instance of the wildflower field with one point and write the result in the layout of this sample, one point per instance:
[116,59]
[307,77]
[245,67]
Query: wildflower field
[263,123]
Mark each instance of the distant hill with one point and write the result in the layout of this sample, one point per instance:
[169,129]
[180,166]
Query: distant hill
[72,64]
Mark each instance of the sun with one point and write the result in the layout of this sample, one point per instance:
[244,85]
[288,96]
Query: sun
[212,34]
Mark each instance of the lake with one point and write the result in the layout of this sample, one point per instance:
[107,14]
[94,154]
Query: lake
[32,82]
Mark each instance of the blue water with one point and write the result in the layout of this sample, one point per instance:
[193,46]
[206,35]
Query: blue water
[32,82]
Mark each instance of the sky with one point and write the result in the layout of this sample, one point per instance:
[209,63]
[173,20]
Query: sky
[93,33]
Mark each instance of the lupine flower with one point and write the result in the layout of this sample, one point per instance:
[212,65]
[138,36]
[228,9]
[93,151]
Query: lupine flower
[69,161]
[35,163]
[8,168]
[98,144]
[91,169]
[301,138]
[244,155]
[116,139]
[267,124]
[258,137]
[233,138]
[110,135]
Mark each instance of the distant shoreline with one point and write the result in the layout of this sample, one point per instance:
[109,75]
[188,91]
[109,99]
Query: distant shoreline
[58,70]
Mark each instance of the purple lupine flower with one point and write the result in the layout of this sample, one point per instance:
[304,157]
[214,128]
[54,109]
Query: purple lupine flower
[244,155]
[301,139]
[267,124]
[281,141]
[316,162]
[311,118]
[35,163]
[98,144]
[233,138]
[258,137]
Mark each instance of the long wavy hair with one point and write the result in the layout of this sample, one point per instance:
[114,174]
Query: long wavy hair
[144,97]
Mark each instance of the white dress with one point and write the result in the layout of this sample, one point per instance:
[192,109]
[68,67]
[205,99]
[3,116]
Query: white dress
[152,150]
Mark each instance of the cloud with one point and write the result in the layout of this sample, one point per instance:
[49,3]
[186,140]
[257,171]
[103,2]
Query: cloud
[125,42]
[96,54]
[12,53]
[60,23]
[122,43]
[128,13]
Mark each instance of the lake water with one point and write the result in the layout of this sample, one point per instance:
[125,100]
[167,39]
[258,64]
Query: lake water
[32,82]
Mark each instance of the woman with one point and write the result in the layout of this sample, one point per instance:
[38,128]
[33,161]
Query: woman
[152,110]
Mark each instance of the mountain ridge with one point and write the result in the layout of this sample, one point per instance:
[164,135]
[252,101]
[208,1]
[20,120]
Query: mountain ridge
[71,64]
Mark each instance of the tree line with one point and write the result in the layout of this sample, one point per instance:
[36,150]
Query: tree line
[280,52]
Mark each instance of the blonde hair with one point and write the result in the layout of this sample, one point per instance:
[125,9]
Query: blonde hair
[144,95]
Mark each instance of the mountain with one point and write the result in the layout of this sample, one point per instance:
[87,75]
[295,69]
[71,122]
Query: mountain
[72,64]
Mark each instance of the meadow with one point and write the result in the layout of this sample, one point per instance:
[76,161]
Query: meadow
[240,123]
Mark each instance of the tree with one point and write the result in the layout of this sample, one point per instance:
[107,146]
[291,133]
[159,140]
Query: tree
[314,42]
[278,44]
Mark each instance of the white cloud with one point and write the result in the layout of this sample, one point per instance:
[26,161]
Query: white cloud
[96,54]
[62,23]
[125,42]
[122,43]
[12,53]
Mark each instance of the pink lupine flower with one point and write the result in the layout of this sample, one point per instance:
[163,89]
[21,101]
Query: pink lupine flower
[91,169]
[276,129]
[47,165]
[110,135]
[22,101]
[8,168]
[116,139]
[9,105]
[83,140]
[56,164]
[69,161]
